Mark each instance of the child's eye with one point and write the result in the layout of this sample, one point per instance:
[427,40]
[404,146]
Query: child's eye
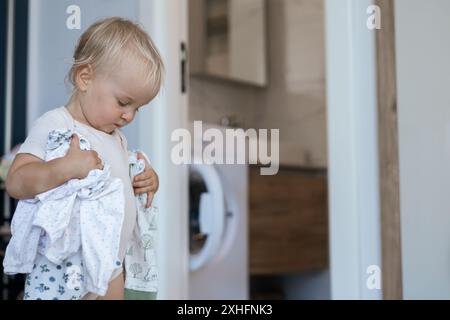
[123,104]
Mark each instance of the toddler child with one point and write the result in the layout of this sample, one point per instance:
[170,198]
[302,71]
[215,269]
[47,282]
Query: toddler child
[116,70]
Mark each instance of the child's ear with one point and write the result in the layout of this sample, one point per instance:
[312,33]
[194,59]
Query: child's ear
[84,76]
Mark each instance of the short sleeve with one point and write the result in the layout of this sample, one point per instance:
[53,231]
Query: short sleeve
[36,141]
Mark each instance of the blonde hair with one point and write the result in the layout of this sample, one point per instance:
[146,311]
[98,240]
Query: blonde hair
[107,42]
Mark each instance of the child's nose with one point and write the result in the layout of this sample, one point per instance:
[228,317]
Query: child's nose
[127,116]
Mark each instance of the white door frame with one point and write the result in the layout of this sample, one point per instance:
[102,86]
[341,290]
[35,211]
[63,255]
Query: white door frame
[166,22]
[354,208]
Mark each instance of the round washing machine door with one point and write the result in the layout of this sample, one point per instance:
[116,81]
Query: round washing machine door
[206,214]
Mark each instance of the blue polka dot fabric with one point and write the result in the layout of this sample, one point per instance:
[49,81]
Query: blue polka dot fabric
[48,281]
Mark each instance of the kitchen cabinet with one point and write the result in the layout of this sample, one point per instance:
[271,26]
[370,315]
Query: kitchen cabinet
[288,221]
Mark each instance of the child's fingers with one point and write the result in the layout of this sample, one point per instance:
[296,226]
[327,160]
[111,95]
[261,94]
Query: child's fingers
[143,176]
[75,140]
[142,190]
[150,196]
[144,183]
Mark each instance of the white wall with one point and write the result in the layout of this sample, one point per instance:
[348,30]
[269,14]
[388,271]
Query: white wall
[423,67]
[354,216]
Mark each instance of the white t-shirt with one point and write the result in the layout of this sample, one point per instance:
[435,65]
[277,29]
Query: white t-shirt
[112,149]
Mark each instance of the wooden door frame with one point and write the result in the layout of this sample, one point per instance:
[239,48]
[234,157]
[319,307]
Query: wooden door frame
[392,285]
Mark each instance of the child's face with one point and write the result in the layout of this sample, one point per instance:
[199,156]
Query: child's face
[112,101]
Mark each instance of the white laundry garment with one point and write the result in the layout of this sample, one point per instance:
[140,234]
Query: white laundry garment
[81,217]
[140,259]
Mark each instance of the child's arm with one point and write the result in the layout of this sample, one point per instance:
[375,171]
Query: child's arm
[30,176]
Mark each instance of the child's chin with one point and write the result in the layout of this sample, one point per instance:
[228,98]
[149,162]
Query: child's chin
[109,129]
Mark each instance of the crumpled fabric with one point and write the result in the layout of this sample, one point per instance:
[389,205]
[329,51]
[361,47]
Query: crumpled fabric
[141,259]
[81,217]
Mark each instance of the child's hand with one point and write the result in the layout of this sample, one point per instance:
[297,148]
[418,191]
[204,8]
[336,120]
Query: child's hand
[146,182]
[81,162]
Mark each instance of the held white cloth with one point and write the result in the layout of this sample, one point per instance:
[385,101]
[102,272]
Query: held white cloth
[140,259]
[81,217]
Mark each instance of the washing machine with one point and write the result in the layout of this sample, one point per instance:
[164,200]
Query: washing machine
[218,231]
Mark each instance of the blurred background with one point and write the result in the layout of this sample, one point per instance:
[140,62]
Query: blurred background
[357,88]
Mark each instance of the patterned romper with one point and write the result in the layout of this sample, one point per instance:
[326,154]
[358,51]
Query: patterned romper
[44,282]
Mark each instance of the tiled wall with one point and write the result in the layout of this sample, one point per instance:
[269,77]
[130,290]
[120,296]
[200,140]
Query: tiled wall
[294,101]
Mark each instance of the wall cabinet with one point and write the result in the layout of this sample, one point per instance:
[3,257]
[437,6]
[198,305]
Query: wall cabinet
[228,40]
